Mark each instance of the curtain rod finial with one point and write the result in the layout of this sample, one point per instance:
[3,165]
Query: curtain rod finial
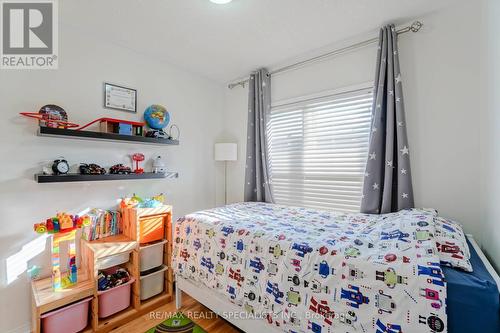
[416,26]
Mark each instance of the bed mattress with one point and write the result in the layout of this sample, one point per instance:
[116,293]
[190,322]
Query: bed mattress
[473,299]
[303,270]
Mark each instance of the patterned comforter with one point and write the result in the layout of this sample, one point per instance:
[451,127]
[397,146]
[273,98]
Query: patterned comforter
[304,270]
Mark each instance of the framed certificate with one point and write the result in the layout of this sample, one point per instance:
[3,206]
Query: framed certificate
[120,98]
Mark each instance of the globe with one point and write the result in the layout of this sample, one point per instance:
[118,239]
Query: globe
[156,116]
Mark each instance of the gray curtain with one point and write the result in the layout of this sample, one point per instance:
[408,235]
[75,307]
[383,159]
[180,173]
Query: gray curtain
[257,177]
[387,183]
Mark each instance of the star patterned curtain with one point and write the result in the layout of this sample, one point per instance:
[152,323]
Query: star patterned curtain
[257,175]
[387,183]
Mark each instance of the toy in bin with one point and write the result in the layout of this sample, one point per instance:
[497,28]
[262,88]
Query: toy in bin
[108,280]
[114,289]
[63,228]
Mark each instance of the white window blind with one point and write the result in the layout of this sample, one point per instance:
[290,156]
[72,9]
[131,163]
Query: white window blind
[318,150]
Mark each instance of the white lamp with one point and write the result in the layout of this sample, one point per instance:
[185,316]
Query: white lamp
[225,152]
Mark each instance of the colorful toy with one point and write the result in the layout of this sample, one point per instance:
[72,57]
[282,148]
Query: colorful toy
[138,157]
[63,228]
[120,169]
[91,169]
[52,116]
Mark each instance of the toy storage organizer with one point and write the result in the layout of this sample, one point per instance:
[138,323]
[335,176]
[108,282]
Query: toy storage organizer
[144,246]
[144,250]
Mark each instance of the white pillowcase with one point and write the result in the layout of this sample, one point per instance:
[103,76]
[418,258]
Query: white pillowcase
[451,244]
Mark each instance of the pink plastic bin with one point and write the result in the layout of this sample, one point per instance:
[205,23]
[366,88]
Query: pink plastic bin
[70,319]
[115,299]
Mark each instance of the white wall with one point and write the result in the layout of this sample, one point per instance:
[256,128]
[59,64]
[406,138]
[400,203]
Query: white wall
[441,74]
[85,63]
[491,131]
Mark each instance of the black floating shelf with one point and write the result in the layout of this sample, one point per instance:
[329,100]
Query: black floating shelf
[90,135]
[41,178]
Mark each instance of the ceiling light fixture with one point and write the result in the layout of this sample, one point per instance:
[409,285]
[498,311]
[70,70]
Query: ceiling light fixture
[221,2]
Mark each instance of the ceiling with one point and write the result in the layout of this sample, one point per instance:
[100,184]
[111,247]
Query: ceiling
[225,42]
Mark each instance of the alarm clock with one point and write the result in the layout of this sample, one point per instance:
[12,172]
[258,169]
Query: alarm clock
[60,167]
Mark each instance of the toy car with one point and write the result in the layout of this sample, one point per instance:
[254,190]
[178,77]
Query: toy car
[91,169]
[120,169]
[157,134]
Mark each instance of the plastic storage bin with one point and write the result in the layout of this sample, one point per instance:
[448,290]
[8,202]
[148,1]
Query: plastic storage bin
[151,256]
[115,299]
[114,260]
[151,228]
[70,319]
[153,283]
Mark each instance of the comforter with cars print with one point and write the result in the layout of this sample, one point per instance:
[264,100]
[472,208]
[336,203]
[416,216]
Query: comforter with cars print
[304,270]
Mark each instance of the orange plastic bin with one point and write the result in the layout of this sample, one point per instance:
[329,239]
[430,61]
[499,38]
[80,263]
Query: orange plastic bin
[151,228]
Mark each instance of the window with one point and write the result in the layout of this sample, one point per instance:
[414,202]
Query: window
[318,149]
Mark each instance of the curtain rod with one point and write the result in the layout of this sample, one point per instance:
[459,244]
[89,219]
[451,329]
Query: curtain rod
[414,27]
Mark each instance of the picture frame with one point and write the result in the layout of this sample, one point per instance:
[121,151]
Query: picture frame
[120,98]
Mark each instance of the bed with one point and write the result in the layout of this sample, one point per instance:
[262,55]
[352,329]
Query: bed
[473,298]
[302,270]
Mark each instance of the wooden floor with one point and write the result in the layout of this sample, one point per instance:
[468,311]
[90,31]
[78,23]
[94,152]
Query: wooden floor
[190,307]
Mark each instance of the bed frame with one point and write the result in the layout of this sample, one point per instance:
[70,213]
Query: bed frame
[222,307]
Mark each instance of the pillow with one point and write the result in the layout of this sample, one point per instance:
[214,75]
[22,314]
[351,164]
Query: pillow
[451,244]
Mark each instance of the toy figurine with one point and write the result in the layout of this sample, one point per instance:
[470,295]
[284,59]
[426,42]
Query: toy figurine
[159,165]
[138,157]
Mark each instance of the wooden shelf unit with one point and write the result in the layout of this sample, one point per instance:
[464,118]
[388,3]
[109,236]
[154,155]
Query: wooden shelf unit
[132,218]
[129,241]
[45,299]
